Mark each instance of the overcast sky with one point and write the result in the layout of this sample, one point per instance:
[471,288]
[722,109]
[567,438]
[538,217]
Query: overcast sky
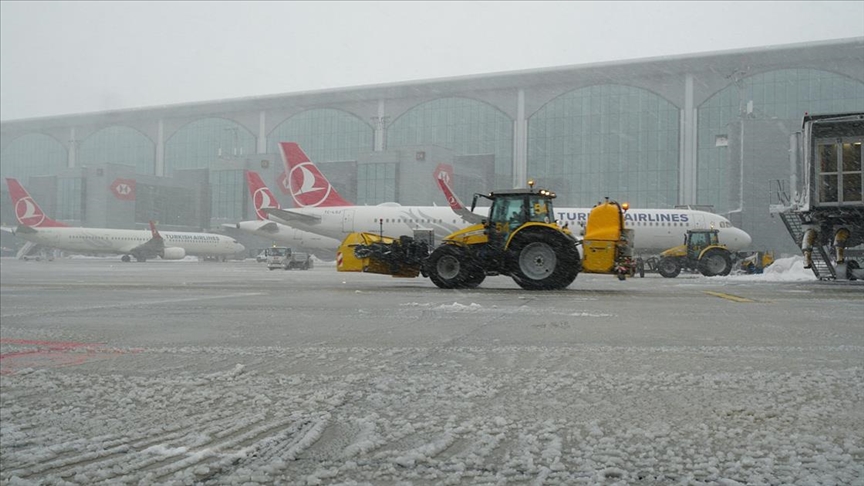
[73,57]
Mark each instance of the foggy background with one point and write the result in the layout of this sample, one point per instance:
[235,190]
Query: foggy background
[73,57]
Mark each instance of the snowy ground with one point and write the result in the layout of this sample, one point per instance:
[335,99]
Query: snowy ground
[225,373]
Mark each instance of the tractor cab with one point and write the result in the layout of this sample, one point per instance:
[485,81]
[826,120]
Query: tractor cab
[511,209]
[698,240]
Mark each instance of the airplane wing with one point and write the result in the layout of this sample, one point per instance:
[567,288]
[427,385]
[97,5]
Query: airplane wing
[265,226]
[456,205]
[152,247]
[24,229]
[288,215]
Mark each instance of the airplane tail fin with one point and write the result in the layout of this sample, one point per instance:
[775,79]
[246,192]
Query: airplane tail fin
[26,210]
[154,231]
[442,177]
[262,197]
[308,185]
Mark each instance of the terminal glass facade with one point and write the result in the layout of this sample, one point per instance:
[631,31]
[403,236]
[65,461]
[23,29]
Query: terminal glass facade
[33,155]
[227,195]
[119,145]
[203,143]
[70,199]
[777,100]
[463,125]
[170,206]
[326,135]
[606,140]
[376,183]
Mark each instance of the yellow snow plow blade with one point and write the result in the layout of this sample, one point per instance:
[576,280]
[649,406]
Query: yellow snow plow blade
[368,246]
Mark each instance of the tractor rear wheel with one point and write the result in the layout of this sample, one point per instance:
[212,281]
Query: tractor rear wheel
[544,261]
[715,261]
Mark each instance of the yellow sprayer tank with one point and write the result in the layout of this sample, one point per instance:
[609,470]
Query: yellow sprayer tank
[605,240]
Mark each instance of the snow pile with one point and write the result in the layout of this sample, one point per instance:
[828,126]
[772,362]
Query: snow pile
[790,269]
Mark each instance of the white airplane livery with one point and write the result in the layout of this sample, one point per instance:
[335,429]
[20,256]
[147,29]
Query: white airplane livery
[654,229]
[140,244]
[263,198]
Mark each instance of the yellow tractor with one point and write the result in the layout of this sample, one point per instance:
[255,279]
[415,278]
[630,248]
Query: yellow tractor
[519,238]
[701,252]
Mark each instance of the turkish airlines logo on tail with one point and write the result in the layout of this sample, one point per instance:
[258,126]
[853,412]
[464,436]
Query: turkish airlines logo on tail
[307,185]
[123,189]
[28,212]
[263,199]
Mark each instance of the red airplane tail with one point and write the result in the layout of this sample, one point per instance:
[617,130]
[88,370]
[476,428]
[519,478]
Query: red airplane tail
[154,231]
[262,197]
[308,185]
[26,210]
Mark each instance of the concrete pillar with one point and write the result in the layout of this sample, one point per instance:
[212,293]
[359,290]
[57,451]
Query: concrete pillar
[71,159]
[160,149]
[687,177]
[380,121]
[262,132]
[520,143]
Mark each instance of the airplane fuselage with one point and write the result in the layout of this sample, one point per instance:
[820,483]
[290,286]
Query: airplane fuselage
[289,236]
[122,241]
[654,229]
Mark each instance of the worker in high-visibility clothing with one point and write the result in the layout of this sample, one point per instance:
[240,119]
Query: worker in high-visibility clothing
[840,237]
[807,241]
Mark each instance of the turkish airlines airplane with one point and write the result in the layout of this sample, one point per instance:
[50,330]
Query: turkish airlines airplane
[35,227]
[654,229]
[263,198]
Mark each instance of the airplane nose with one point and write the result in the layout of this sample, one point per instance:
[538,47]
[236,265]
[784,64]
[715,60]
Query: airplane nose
[238,247]
[739,239]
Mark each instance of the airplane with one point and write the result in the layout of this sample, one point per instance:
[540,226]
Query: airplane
[140,244]
[655,229]
[263,198]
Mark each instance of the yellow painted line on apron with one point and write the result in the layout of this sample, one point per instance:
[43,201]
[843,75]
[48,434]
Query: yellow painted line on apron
[729,296]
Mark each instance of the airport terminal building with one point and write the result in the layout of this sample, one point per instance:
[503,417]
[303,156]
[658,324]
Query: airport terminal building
[707,129]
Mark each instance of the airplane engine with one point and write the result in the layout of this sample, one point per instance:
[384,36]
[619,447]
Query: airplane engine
[173,253]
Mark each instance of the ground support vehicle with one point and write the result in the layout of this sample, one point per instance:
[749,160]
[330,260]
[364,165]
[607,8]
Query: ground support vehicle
[701,251]
[755,262]
[287,259]
[824,213]
[518,239]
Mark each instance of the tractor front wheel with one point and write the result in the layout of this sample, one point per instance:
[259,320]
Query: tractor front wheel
[448,268]
[669,267]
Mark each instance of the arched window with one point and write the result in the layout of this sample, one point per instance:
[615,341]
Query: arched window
[606,140]
[463,125]
[325,135]
[202,143]
[33,154]
[119,145]
[770,106]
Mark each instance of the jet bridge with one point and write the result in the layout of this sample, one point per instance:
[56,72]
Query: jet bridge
[823,208]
